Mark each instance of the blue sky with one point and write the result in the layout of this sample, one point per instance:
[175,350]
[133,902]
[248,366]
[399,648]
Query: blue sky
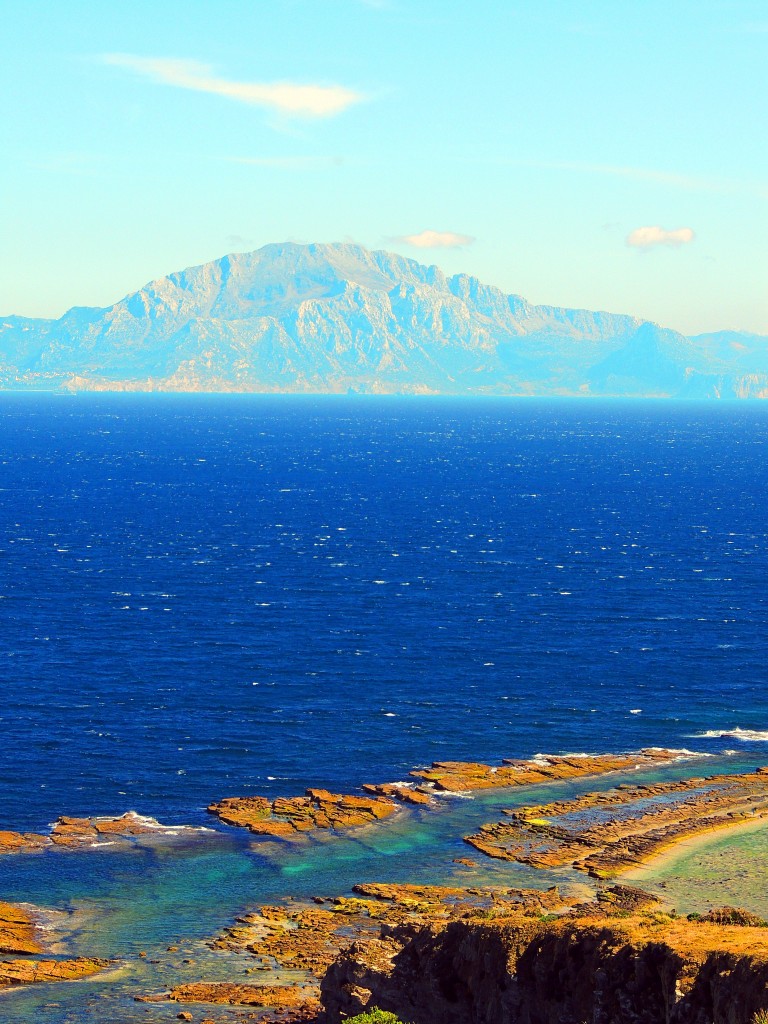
[595,154]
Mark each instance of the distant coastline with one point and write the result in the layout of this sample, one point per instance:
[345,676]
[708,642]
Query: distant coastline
[340,318]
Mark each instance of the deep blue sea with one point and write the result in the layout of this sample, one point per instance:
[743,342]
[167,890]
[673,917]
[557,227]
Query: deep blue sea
[204,596]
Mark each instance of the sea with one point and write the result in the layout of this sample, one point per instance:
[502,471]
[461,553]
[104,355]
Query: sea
[217,595]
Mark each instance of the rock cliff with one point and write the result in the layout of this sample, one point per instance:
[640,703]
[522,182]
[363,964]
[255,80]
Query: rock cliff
[654,970]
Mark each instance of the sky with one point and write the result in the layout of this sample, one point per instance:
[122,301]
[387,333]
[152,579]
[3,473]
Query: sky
[583,153]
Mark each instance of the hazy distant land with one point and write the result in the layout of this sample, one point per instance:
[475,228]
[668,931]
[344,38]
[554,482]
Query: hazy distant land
[338,318]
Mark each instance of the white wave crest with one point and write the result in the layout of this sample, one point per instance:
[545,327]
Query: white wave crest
[157,826]
[737,733]
[679,753]
[143,820]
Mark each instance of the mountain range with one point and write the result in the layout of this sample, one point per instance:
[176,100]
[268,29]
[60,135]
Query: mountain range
[338,318]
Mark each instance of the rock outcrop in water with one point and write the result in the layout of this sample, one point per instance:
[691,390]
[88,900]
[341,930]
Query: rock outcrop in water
[84,833]
[288,818]
[330,318]
[18,930]
[36,972]
[291,817]
[461,776]
[282,997]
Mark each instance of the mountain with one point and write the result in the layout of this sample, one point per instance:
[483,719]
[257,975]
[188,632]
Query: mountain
[330,318]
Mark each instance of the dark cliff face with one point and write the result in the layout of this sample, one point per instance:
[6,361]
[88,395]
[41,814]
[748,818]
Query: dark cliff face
[528,972]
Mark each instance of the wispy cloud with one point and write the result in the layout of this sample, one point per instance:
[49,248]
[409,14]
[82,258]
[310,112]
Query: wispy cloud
[283,97]
[436,240]
[648,237]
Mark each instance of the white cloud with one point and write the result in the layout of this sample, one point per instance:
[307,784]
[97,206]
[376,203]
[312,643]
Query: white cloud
[436,240]
[283,97]
[647,237]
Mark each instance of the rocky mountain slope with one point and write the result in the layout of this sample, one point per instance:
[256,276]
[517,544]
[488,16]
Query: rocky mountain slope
[334,318]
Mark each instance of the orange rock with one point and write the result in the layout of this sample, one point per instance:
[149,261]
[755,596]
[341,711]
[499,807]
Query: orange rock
[460,776]
[17,930]
[405,794]
[22,842]
[288,817]
[28,972]
[405,893]
[279,997]
[78,833]
[73,832]
[128,824]
[84,832]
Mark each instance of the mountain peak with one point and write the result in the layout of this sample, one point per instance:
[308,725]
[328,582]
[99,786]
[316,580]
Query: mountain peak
[333,316]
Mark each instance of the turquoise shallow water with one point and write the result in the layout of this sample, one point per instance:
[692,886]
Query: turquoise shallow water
[729,870]
[178,893]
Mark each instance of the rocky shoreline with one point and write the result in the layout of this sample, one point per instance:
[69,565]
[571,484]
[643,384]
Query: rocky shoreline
[462,954]
[452,955]
[442,955]
[289,818]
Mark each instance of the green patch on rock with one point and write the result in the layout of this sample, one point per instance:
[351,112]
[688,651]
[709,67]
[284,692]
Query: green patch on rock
[374,1016]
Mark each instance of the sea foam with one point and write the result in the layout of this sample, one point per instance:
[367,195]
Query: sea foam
[737,733]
